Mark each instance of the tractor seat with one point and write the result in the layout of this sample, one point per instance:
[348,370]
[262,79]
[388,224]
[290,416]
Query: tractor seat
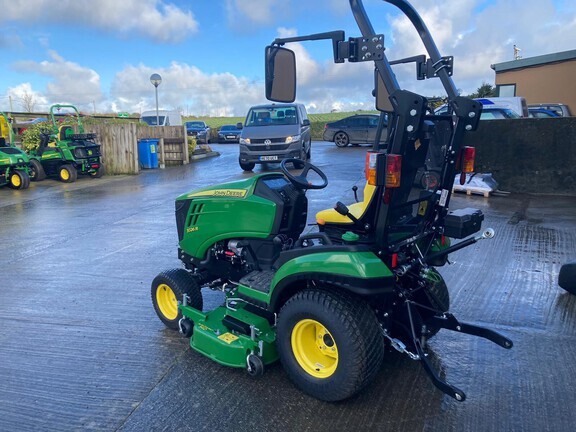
[331,216]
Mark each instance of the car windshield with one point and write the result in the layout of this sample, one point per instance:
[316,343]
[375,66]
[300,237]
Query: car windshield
[271,116]
[151,120]
[195,124]
[228,128]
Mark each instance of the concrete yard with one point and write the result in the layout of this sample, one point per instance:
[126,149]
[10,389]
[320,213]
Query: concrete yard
[82,349]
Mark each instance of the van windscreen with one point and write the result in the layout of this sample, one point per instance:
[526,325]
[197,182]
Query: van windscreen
[272,116]
[151,120]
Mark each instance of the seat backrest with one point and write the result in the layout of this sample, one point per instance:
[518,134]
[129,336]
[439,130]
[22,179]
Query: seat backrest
[65,131]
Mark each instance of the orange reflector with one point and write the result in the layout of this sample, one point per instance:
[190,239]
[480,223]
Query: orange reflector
[370,167]
[393,170]
[468,155]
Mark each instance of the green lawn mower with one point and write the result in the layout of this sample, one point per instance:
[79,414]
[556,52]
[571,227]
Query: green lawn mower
[14,163]
[63,153]
[327,304]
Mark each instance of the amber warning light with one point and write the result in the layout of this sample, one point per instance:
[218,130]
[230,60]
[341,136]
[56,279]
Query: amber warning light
[370,167]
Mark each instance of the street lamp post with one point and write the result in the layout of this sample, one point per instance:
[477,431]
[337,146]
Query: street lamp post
[156,79]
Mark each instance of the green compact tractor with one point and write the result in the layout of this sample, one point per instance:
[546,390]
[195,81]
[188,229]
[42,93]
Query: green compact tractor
[64,153]
[327,304]
[14,163]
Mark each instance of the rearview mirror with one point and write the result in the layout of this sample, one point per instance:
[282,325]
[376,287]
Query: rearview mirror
[280,74]
[382,96]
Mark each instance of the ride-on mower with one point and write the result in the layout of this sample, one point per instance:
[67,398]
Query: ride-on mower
[64,153]
[328,303]
[14,163]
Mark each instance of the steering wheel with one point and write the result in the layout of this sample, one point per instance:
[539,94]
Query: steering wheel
[300,181]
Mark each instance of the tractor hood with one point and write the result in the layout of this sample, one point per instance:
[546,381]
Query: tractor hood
[12,156]
[236,189]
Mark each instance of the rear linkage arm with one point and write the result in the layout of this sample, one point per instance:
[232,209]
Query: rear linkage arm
[449,322]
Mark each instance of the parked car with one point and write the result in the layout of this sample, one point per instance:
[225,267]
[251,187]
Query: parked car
[356,129]
[560,109]
[229,133]
[198,129]
[541,113]
[489,112]
[274,132]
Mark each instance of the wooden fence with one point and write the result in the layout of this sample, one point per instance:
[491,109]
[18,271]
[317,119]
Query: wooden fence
[120,145]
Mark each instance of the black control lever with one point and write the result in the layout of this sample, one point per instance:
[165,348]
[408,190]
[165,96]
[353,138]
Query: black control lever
[355,190]
[343,210]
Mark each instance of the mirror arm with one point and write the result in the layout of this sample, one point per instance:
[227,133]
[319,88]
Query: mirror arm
[336,37]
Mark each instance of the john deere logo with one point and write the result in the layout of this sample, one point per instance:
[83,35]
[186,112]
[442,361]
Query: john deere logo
[267,142]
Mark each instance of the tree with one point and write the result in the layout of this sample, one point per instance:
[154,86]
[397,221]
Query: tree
[485,90]
[28,101]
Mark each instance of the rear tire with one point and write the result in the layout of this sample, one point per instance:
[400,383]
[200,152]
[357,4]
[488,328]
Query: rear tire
[167,291]
[247,166]
[38,173]
[329,343]
[67,173]
[341,139]
[439,298]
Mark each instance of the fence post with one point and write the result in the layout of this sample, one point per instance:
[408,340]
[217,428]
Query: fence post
[185,149]
[162,156]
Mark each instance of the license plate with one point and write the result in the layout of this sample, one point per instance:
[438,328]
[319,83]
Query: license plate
[230,137]
[268,158]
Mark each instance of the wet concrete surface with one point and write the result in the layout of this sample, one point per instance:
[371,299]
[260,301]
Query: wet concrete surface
[82,349]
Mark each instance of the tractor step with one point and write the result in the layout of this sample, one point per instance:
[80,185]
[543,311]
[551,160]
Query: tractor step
[258,280]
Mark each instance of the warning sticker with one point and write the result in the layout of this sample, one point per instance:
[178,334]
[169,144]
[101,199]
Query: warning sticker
[228,337]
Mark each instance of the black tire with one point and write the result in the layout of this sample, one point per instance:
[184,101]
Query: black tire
[429,180]
[438,297]
[67,173]
[567,277]
[247,166]
[167,291]
[341,139]
[38,173]
[349,334]
[255,366]
[99,172]
[19,180]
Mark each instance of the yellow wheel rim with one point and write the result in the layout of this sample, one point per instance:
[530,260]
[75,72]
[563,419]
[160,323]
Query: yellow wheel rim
[15,180]
[314,348]
[167,302]
[64,174]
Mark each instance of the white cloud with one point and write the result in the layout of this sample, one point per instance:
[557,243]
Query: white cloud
[69,82]
[23,97]
[155,19]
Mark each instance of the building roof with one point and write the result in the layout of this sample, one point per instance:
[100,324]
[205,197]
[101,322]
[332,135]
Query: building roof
[534,61]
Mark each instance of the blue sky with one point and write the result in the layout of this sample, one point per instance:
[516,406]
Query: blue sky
[99,54]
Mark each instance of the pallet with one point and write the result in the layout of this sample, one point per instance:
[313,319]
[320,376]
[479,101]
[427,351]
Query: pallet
[472,190]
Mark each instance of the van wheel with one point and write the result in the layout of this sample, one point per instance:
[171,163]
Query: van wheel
[247,166]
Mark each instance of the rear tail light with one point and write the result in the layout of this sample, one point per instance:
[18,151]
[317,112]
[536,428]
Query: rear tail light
[370,167]
[393,170]
[468,155]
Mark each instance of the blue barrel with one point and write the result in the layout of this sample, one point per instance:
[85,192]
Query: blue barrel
[148,153]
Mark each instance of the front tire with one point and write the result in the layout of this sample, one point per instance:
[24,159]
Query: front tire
[247,166]
[19,180]
[329,343]
[167,291]
[341,139]
[67,173]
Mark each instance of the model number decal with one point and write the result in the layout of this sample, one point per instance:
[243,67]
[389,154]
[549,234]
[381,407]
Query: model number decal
[192,229]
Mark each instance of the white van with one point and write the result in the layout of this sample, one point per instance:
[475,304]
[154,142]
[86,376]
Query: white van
[166,118]
[517,104]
